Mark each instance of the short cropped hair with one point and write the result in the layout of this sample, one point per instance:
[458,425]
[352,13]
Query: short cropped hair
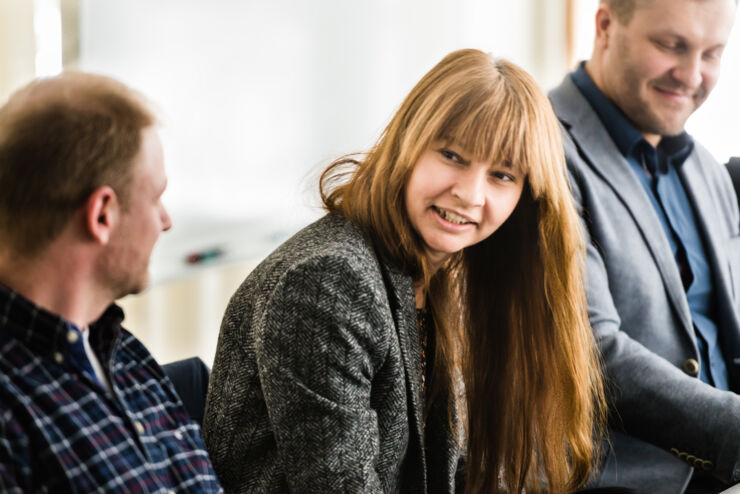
[624,9]
[61,138]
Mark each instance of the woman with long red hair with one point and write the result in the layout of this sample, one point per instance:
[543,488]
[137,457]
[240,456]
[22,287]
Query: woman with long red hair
[429,333]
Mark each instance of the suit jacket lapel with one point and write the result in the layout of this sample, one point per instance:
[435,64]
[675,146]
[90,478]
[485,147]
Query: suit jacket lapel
[401,297]
[707,211]
[598,149]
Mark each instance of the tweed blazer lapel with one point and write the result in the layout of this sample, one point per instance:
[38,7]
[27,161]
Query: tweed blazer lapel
[401,297]
[597,148]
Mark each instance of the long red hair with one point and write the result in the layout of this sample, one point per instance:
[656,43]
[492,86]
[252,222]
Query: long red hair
[510,321]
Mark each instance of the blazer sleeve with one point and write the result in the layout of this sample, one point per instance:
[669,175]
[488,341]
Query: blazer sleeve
[649,397]
[318,346]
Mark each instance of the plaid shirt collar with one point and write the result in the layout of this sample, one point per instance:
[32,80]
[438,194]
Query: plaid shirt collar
[63,432]
[49,335]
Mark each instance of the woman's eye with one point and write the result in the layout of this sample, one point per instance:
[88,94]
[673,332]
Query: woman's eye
[499,175]
[450,155]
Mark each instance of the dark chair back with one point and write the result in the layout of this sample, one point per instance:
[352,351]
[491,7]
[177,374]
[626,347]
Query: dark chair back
[733,167]
[190,377]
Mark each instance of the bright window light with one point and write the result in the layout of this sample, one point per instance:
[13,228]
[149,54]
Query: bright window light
[47,27]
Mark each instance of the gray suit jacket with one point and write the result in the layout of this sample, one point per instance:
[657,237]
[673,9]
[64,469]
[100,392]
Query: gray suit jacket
[316,382]
[664,421]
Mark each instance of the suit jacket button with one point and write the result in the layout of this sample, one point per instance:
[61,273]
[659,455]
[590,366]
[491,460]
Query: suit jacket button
[706,465]
[691,367]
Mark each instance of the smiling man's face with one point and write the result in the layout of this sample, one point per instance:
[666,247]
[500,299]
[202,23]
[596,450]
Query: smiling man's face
[661,65]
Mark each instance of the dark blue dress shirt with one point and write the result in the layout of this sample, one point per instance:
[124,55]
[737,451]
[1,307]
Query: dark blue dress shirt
[659,172]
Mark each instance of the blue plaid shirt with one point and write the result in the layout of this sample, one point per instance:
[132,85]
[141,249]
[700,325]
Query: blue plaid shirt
[61,431]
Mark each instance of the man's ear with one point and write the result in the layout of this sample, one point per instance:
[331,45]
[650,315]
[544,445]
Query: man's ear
[102,213]
[605,17]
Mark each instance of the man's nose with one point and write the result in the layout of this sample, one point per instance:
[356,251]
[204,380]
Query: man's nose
[166,220]
[689,71]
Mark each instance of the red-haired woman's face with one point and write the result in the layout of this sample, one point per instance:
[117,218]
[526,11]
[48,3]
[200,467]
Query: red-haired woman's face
[455,201]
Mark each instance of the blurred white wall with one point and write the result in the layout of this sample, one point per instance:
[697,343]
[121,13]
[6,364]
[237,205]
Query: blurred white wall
[716,123]
[17,45]
[257,98]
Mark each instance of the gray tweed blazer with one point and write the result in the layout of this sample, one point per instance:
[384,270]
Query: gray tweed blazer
[316,382]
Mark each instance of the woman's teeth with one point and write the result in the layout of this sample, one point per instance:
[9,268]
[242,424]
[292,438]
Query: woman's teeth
[452,217]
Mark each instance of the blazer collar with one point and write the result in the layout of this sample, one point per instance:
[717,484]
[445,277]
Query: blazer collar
[400,291]
[598,150]
[706,205]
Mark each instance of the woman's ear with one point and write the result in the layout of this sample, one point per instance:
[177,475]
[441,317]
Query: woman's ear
[102,213]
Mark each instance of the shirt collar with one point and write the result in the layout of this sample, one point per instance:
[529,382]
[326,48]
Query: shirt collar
[47,334]
[627,138]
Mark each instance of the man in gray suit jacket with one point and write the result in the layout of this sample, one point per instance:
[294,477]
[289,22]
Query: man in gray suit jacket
[663,264]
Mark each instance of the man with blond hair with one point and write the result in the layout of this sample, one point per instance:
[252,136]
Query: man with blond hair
[663,261]
[83,406]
